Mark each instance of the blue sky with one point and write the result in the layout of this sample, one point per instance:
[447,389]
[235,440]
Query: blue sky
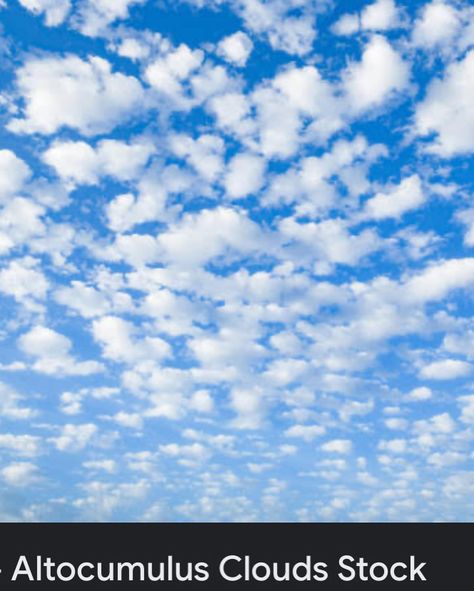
[236,267]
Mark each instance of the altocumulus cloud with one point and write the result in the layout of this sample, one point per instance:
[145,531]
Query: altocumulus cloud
[236,261]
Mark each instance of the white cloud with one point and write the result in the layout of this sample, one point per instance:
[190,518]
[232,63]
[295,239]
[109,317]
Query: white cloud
[348,24]
[236,48]
[380,16]
[420,394]
[23,445]
[245,175]
[118,341]
[436,25]
[10,404]
[23,281]
[447,110]
[79,163]
[340,446]
[84,95]
[394,446]
[85,300]
[330,242]
[305,432]
[20,474]
[467,404]
[438,280]
[55,11]
[225,230]
[189,456]
[379,75]
[447,369]
[292,34]
[250,407]
[204,154]
[13,174]
[408,195]
[108,466]
[95,15]
[74,438]
[202,402]
[167,74]
[52,351]
[128,419]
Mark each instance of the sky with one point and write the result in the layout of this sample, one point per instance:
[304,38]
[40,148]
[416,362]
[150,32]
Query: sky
[236,260]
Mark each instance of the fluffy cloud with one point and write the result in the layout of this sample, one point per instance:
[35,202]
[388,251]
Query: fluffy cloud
[285,31]
[20,474]
[55,11]
[80,163]
[393,204]
[447,369]
[379,75]
[379,16]
[74,438]
[245,175]
[10,404]
[52,351]
[447,111]
[339,446]
[22,280]
[436,25]
[167,74]
[95,15]
[22,445]
[13,174]
[116,337]
[225,229]
[236,48]
[234,278]
[305,432]
[85,95]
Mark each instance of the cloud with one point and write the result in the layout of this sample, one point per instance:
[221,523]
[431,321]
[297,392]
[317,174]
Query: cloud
[218,246]
[74,438]
[447,369]
[204,154]
[436,25]
[116,336]
[81,164]
[380,75]
[285,31]
[407,196]
[236,48]
[22,445]
[167,74]
[95,15]
[10,404]
[14,172]
[22,280]
[339,446]
[226,230]
[305,432]
[52,351]
[20,474]
[379,16]
[55,11]
[85,95]
[420,394]
[245,175]
[447,112]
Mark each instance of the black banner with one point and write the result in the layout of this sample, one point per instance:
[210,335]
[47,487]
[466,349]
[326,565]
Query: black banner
[236,556]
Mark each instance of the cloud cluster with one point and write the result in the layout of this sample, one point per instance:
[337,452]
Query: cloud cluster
[236,266]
